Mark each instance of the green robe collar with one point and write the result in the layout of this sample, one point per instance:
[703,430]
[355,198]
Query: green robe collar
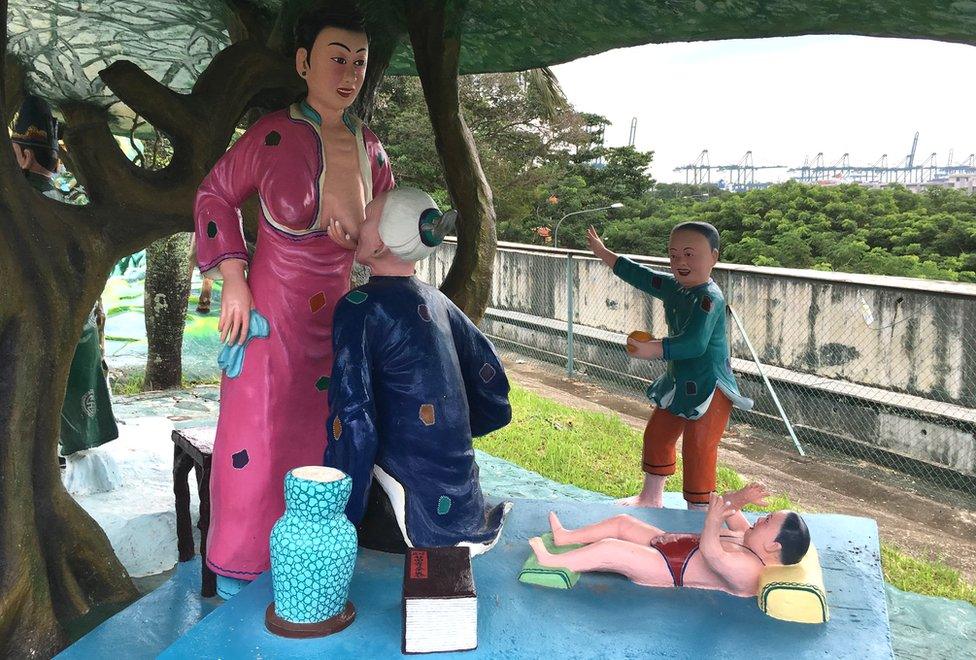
[312,115]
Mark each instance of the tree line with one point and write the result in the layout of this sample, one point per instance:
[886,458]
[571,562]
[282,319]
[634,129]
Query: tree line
[544,159]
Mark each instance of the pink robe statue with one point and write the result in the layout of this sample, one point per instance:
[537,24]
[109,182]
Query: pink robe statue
[273,415]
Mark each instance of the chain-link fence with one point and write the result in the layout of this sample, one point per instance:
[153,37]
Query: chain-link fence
[871,368]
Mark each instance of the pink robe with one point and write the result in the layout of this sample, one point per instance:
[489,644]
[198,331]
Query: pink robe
[273,415]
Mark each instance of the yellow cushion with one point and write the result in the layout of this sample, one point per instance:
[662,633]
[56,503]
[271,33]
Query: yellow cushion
[795,592]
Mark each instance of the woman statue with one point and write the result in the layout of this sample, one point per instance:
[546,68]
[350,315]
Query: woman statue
[314,167]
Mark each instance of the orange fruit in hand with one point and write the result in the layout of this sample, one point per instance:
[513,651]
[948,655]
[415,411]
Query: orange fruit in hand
[638,335]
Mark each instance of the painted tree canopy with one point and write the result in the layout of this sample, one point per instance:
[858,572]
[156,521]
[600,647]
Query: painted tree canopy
[64,44]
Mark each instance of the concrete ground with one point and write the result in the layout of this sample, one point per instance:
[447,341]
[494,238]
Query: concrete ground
[915,516]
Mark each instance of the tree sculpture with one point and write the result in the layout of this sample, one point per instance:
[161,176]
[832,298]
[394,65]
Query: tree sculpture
[55,562]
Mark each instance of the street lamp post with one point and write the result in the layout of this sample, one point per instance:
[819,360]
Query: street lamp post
[555,232]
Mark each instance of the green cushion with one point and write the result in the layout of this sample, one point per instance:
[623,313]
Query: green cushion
[547,576]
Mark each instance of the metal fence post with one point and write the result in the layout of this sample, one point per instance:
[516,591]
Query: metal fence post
[569,314]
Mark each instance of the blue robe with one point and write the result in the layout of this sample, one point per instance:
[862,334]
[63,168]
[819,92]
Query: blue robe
[413,380]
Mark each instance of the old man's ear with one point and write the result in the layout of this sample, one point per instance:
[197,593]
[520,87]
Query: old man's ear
[25,157]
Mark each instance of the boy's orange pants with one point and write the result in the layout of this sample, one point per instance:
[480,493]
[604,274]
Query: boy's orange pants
[699,449]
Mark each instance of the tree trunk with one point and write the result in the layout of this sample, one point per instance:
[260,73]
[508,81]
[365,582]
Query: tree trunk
[55,562]
[166,296]
[435,33]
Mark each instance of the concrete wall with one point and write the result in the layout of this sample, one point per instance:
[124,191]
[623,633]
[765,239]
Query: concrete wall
[869,364]
[899,334]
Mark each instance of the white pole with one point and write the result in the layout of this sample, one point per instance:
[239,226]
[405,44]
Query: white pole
[769,386]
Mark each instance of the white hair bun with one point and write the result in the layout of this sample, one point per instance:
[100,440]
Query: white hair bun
[411,224]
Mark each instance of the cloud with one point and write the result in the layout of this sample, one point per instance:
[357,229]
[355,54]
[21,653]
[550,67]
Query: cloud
[782,98]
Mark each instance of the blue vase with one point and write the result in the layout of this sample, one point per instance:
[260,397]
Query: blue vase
[313,549]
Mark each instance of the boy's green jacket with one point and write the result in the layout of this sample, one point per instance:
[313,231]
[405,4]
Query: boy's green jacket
[697,346]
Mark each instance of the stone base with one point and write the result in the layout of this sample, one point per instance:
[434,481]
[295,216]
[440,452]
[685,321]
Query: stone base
[332,625]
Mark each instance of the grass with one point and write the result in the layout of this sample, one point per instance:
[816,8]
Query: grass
[127,383]
[598,452]
[922,576]
[590,450]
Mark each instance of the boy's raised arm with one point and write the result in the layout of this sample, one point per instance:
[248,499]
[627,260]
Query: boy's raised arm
[658,284]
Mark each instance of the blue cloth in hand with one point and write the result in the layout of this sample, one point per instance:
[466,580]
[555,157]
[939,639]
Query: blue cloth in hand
[231,358]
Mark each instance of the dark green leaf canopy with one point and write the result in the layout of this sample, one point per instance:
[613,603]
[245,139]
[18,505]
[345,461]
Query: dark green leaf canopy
[64,43]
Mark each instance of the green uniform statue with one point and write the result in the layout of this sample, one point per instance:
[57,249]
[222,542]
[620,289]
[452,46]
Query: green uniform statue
[86,416]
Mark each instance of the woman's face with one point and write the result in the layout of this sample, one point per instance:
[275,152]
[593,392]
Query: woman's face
[335,69]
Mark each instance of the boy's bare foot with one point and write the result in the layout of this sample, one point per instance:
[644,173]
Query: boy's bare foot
[543,556]
[558,531]
[648,501]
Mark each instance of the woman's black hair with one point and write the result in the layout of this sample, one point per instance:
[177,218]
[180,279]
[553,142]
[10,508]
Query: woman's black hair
[703,228]
[311,23]
[794,539]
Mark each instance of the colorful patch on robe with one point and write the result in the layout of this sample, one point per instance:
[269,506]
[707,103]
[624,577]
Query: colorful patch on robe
[706,303]
[336,428]
[380,158]
[317,302]
[656,282]
[240,459]
[443,505]
[211,229]
[424,312]
[691,388]
[356,297]
[427,414]
[272,139]
[487,372]
[322,384]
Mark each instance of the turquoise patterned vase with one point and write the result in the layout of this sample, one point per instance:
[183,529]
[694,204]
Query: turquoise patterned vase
[313,553]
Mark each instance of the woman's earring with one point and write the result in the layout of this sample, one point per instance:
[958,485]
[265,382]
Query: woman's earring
[304,73]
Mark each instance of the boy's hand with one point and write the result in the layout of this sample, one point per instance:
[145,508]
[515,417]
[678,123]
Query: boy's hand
[752,494]
[598,248]
[645,350]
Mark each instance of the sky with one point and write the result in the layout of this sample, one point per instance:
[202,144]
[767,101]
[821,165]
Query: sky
[785,99]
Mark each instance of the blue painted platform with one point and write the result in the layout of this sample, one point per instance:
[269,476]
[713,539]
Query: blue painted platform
[150,624]
[604,616]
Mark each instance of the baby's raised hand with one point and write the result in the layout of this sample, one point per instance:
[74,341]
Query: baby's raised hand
[720,509]
[752,494]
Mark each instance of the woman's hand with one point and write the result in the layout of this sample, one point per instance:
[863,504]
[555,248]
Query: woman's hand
[235,303]
[598,248]
[340,236]
[720,509]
